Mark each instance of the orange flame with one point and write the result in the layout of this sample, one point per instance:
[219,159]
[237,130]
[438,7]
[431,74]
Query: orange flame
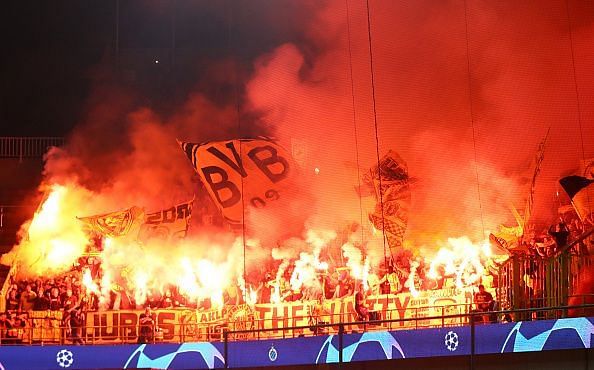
[54,238]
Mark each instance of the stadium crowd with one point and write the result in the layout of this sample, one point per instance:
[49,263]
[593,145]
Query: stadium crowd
[69,294]
[551,240]
[68,290]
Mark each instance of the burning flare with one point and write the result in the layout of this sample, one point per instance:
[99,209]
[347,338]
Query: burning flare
[53,239]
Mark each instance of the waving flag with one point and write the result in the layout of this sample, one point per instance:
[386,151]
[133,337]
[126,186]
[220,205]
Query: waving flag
[114,224]
[166,224]
[394,193]
[243,172]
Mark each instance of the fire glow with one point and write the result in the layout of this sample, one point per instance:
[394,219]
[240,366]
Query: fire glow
[53,240]
[145,269]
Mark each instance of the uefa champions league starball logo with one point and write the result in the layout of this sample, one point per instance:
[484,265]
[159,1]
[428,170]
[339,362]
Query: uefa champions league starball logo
[386,343]
[206,351]
[64,358]
[451,341]
[575,331]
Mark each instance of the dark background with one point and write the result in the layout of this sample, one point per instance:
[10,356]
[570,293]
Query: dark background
[55,52]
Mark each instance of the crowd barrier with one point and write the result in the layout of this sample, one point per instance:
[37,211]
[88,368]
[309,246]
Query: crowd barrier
[427,309]
[348,345]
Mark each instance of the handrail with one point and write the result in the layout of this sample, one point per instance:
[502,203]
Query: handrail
[570,245]
[87,332]
[464,315]
[27,147]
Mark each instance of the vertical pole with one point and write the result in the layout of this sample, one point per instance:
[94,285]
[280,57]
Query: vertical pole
[516,294]
[564,279]
[226,348]
[549,283]
[472,340]
[340,343]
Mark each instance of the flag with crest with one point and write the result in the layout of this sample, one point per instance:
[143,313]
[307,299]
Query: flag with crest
[390,183]
[115,224]
[241,173]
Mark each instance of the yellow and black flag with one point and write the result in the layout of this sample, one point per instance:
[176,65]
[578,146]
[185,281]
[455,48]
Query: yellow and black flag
[241,172]
[390,183]
[168,224]
[115,224]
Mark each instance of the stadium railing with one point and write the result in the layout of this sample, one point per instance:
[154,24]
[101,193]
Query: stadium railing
[27,147]
[57,333]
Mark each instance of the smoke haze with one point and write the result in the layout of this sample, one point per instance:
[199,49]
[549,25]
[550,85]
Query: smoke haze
[466,121]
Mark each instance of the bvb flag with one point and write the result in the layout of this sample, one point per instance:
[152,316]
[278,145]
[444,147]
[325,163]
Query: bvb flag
[167,224]
[114,224]
[250,172]
[581,193]
[395,196]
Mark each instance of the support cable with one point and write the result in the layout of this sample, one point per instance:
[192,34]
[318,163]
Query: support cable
[354,120]
[377,154]
[577,93]
[469,74]
[238,112]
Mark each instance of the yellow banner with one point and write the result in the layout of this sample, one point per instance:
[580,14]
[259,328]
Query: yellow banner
[114,224]
[179,325]
[387,307]
[166,224]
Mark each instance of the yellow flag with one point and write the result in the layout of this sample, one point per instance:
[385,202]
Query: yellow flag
[166,224]
[114,224]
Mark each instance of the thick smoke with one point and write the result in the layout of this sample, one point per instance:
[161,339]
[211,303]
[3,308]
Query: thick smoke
[467,122]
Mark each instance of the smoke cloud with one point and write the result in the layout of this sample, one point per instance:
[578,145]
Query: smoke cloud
[467,121]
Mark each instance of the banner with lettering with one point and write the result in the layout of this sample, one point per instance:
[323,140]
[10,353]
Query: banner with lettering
[244,172]
[167,224]
[46,326]
[433,303]
[183,325]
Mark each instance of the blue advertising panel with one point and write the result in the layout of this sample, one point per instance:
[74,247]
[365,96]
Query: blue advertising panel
[294,351]
[194,355]
[571,333]
[406,344]
[534,336]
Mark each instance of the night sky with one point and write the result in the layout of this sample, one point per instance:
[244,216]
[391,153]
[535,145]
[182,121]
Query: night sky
[55,52]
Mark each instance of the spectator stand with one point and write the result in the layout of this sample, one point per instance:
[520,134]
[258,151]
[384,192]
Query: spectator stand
[533,281]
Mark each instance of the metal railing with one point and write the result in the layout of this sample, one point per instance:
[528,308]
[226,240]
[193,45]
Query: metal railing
[527,281]
[329,322]
[27,147]
[45,327]
[471,318]
[51,329]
